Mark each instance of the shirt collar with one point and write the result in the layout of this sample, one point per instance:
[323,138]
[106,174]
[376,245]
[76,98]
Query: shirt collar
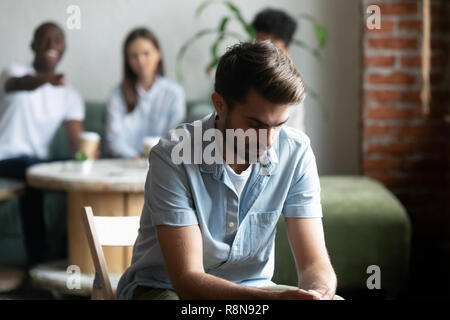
[142,92]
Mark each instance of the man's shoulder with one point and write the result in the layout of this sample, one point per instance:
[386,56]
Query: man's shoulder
[17,69]
[294,137]
[70,89]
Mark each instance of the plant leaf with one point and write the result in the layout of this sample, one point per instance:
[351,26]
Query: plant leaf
[314,51]
[223,23]
[320,31]
[203,6]
[187,44]
[251,32]
[80,156]
[321,34]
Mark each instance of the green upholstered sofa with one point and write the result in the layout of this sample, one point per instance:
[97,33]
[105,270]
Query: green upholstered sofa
[364,225]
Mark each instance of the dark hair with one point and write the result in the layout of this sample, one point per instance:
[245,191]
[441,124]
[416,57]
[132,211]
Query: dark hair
[42,27]
[277,23]
[128,85]
[261,66]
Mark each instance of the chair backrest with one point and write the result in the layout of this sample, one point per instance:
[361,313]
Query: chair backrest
[107,231]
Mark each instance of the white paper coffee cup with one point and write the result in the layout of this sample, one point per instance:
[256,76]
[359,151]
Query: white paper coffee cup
[148,143]
[89,144]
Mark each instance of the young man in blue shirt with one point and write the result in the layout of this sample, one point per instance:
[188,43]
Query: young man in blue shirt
[208,227]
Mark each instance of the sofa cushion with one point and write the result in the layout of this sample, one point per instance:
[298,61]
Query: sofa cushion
[364,225]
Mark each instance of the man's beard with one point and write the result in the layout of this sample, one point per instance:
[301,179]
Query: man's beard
[243,154]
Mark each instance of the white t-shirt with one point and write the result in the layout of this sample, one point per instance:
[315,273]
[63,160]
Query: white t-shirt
[30,119]
[238,180]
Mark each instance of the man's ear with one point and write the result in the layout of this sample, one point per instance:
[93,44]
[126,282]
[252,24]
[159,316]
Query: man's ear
[219,104]
[33,46]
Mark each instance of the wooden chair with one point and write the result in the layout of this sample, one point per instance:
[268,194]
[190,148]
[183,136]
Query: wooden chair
[106,231]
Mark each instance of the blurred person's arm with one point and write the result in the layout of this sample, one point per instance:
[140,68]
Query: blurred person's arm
[73,121]
[73,128]
[29,83]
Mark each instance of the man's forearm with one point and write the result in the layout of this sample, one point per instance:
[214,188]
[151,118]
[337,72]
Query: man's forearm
[26,83]
[319,276]
[74,128]
[205,286]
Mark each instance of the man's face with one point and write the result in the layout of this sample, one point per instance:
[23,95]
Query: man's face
[256,113]
[49,46]
[261,36]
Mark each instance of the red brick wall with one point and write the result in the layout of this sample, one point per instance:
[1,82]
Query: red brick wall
[405,150]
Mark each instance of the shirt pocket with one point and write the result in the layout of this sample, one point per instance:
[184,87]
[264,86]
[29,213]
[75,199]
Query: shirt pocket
[262,233]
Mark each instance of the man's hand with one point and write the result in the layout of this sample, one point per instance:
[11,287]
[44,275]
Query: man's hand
[323,294]
[56,79]
[299,294]
[29,83]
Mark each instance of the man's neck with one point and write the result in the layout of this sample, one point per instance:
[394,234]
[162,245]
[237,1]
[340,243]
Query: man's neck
[40,69]
[239,168]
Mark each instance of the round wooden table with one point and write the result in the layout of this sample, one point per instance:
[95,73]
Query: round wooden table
[113,187]
[10,278]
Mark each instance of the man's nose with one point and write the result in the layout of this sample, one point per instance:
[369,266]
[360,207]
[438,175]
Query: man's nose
[51,44]
[270,137]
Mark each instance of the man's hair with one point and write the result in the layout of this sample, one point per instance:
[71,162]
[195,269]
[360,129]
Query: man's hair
[43,26]
[276,23]
[261,66]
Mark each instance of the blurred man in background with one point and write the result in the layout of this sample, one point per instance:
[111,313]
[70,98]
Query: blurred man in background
[34,102]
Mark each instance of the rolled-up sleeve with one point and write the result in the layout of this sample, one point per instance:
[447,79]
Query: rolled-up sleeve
[303,199]
[168,198]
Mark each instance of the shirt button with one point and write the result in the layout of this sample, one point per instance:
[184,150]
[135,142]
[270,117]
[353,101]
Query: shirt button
[231,224]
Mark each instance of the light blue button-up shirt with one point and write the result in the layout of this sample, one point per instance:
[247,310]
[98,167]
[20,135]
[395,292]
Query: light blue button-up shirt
[238,233]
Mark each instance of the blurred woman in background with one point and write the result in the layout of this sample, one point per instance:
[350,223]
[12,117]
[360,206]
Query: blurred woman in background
[145,104]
